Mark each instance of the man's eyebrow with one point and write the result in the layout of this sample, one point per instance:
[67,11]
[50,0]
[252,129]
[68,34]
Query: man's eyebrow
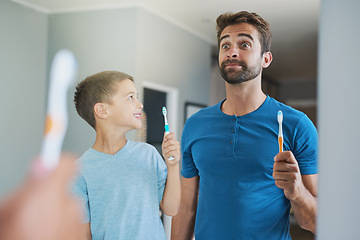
[225,36]
[239,35]
[245,35]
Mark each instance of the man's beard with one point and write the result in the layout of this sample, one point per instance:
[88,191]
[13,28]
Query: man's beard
[234,76]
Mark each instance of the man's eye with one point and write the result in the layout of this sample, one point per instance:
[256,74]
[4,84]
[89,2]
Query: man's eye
[225,46]
[245,45]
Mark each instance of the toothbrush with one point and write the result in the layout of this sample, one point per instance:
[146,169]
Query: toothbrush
[167,130]
[280,136]
[62,74]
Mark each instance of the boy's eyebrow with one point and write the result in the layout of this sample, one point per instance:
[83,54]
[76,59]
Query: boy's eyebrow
[131,92]
[239,35]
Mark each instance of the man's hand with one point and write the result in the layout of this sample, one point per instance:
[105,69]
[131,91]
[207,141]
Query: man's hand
[287,175]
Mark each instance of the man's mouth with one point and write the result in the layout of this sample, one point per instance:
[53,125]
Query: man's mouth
[234,64]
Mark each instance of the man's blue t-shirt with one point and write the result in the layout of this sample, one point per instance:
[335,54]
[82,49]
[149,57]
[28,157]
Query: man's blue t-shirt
[233,157]
[121,192]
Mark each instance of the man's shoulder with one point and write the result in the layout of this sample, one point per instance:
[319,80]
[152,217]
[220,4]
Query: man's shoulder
[286,109]
[204,113]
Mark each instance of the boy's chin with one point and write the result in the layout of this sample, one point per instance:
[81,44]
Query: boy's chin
[138,126]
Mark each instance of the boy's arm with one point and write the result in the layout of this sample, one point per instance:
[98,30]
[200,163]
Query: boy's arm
[183,223]
[171,198]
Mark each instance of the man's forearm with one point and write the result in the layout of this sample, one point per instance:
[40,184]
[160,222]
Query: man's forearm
[305,211]
[182,227]
[183,223]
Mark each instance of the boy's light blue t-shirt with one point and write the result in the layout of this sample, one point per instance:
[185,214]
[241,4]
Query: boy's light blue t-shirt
[121,193]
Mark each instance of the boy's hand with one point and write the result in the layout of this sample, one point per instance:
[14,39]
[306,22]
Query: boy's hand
[171,148]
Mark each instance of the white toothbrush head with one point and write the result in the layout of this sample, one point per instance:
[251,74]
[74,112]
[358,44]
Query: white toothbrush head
[63,68]
[280,117]
[165,119]
[164,111]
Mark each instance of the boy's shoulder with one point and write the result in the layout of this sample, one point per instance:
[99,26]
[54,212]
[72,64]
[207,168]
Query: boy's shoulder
[132,149]
[139,147]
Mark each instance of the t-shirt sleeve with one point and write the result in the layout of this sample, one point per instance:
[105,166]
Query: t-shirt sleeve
[189,169]
[161,173]
[306,146]
[79,190]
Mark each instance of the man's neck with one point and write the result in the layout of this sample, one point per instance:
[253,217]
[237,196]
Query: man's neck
[243,98]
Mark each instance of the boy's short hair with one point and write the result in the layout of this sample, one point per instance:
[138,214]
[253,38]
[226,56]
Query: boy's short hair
[97,88]
[254,19]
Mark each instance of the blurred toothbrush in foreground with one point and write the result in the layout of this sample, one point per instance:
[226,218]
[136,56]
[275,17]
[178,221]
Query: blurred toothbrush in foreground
[62,74]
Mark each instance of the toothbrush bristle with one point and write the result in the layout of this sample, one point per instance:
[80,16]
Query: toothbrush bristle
[64,67]
[164,110]
[280,116]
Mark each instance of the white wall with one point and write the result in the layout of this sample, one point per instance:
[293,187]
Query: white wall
[23,48]
[339,114]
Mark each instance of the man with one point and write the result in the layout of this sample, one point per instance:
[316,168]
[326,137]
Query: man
[236,184]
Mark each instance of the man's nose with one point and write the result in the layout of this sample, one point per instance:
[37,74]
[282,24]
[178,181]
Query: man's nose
[233,52]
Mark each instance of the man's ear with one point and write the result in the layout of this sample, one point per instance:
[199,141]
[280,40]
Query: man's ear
[100,110]
[267,59]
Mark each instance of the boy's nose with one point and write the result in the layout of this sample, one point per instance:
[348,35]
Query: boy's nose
[140,105]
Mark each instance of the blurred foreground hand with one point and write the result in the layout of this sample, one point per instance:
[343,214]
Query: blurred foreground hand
[42,208]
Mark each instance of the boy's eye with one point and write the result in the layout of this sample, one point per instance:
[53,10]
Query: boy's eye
[130,97]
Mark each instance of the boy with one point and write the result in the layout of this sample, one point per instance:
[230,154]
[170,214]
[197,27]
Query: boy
[122,182]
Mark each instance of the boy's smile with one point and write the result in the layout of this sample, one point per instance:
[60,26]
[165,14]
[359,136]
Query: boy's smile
[138,115]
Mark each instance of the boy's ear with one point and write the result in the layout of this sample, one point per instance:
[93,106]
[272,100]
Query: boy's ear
[100,110]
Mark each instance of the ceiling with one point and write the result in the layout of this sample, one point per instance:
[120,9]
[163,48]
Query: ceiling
[294,24]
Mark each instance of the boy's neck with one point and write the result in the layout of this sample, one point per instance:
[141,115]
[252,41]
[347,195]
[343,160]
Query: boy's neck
[109,143]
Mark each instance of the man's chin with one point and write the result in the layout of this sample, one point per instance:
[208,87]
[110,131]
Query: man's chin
[232,81]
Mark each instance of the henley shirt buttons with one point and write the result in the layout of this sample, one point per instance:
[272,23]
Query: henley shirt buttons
[232,130]
[231,142]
